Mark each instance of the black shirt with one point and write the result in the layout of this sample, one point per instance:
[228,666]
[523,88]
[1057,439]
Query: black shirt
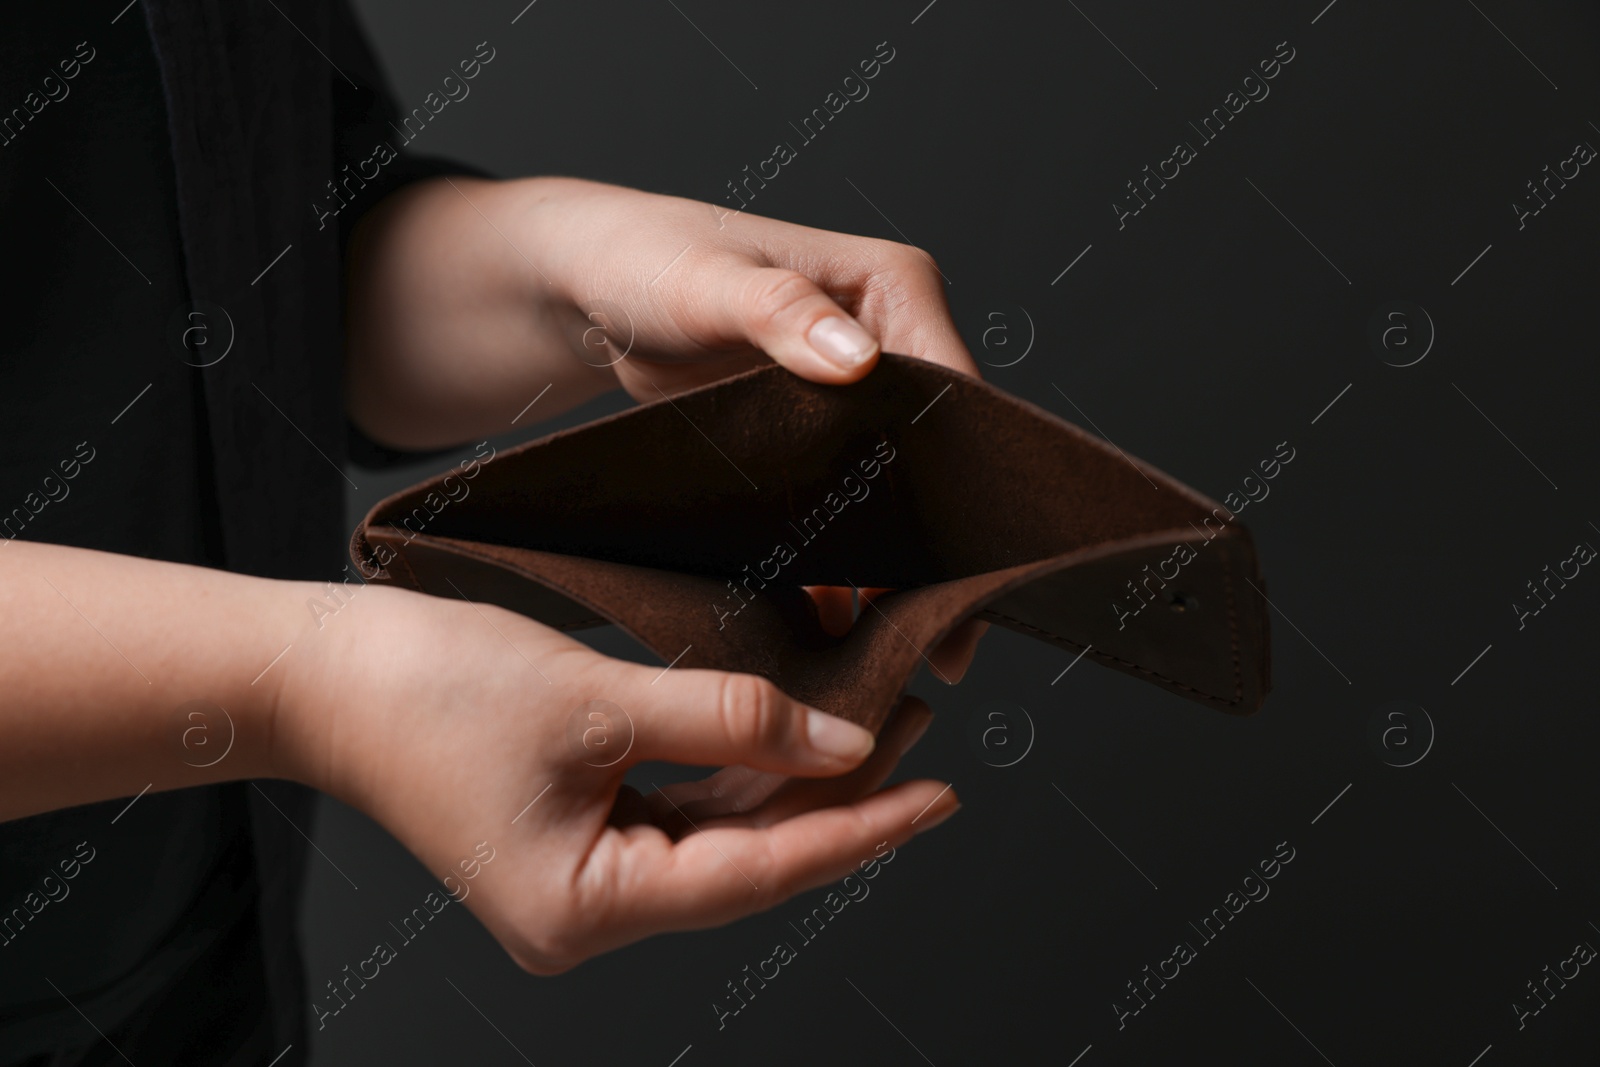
[171,389]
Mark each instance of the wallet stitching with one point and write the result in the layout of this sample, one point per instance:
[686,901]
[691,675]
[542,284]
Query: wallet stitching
[1109,658]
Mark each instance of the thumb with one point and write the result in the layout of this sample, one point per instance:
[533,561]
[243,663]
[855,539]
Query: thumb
[791,319]
[705,718]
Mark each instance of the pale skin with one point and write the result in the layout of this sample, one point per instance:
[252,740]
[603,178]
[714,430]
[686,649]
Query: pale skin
[442,719]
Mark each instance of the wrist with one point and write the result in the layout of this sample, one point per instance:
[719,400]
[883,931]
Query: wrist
[211,710]
[562,230]
[282,701]
[330,700]
[461,310]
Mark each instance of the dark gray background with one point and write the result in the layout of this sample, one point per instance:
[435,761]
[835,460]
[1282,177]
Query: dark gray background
[1208,330]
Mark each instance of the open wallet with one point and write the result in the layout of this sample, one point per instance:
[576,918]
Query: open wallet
[695,522]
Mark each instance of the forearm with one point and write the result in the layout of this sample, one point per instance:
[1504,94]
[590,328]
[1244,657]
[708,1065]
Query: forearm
[453,324]
[102,653]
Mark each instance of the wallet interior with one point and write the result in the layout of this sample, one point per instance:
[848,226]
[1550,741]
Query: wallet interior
[693,523]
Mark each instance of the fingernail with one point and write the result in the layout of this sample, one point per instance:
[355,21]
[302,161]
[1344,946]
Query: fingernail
[916,735]
[833,736]
[842,342]
[928,822]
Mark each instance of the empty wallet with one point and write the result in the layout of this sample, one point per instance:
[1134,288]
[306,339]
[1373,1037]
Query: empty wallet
[693,523]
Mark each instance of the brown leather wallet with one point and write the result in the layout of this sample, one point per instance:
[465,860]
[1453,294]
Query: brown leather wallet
[693,524]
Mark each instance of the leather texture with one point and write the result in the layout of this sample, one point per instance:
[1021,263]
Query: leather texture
[693,522]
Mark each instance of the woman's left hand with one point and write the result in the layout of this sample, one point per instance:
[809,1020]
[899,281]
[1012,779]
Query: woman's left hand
[692,293]
[469,296]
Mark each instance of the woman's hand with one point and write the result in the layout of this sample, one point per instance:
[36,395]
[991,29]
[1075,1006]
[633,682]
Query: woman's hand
[454,723]
[689,293]
[469,297]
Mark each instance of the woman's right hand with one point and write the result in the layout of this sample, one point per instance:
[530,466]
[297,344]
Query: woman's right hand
[452,724]
[455,724]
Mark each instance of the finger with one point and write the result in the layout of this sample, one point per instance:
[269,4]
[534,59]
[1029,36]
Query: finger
[722,874]
[679,807]
[800,795]
[763,798]
[836,609]
[702,717]
[740,789]
[913,317]
[730,790]
[898,293]
[677,813]
[955,653]
[790,318]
